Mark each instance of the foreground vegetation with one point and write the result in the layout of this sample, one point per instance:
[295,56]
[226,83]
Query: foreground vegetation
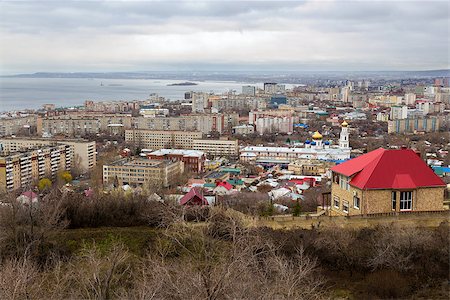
[110,247]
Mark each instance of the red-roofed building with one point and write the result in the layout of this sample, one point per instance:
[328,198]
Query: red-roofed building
[222,188]
[194,197]
[384,181]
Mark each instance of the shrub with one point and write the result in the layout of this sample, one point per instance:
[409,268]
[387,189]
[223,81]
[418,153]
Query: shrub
[388,284]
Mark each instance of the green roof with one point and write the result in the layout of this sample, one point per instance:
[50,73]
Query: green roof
[235,182]
[230,170]
[209,185]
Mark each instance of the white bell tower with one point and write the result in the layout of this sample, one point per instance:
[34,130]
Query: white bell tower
[343,139]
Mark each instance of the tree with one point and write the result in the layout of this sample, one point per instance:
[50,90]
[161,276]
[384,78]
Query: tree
[66,176]
[296,210]
[44,184]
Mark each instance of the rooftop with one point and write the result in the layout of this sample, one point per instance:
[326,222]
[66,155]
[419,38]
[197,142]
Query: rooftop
[139,162]
[389,169]
[190,153]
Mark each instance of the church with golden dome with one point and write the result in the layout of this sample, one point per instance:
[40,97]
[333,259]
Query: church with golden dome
[316,148]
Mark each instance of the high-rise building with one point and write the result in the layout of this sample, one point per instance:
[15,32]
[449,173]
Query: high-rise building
[83,152]
[398,112]
[410,98]
[248,90]
[411,125]
[199,102]
[22,169]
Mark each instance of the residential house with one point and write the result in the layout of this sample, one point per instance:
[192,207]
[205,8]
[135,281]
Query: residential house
[385,181]
[194,197]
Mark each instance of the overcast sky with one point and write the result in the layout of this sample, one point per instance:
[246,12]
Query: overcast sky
[217,35]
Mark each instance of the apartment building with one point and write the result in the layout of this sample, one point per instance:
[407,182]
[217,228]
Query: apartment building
[81,123]
[139,172]
[217,147]
[15,125]
[158,139]
[20,170]
[204,123]
[193,160]
[268,121]
[82,152]
[112,106]
[237,102]
[411,125]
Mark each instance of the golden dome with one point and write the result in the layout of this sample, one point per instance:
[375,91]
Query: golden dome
[317,136]
[344,124]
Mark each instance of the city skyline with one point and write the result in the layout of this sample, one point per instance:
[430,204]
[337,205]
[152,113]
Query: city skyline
[214,35]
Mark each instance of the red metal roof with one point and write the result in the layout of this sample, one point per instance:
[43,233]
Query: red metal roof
[194,197]
[225,184]
[389,169]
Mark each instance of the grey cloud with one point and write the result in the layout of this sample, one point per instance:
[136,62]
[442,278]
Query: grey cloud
[141,34]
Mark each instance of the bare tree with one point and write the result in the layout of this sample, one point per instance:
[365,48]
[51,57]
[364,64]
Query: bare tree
[19,279]
[394,247]
[97,276]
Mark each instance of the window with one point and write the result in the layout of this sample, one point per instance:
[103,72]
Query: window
[345,206]
[336,202]
[344,183]
[336,178]
[356,202]
[394,200]
[406,200]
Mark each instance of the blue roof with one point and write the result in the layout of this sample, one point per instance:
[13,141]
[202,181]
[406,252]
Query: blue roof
[307,142]
[441,170]
[313,143]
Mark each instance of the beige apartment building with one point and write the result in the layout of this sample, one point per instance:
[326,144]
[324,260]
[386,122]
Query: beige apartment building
[21,170]
[204,123]
[217,147]
[82,123]
[159,139]
[425,124]
[14,125]
[83,152]
[139,172]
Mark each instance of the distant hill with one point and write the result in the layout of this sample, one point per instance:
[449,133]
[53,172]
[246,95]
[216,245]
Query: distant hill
[243,76]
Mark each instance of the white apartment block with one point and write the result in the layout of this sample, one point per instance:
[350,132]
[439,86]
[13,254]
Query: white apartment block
[398,112]
[83,152]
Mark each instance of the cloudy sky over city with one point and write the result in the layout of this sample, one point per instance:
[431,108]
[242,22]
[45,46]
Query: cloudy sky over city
[63,36]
